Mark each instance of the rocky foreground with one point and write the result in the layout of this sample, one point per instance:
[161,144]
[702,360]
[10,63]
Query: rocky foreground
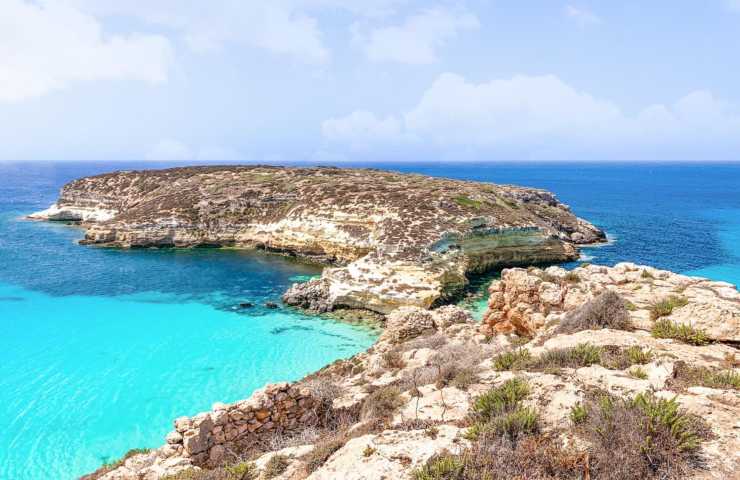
[626,372]
[393,239]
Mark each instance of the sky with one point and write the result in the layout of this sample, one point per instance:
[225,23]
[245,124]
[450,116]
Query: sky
[333,81]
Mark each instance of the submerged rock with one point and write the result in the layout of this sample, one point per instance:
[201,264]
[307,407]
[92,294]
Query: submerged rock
[393,239]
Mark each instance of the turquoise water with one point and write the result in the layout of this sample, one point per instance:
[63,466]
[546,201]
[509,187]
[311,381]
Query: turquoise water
[101,349]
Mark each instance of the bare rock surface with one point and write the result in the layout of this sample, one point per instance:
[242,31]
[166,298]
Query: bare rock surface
[394,239]
[525,300]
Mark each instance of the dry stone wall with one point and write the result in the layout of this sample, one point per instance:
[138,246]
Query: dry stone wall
[209,438]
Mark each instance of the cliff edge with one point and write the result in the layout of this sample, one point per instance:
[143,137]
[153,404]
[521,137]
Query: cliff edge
[392,239]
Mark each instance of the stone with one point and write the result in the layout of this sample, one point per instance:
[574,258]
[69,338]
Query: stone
[174,437]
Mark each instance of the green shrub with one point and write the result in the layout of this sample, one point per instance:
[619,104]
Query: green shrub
[665,307]
[637,356]
[578,413]
[647,275]
[666,414]
[665,328]
[642,437]
[521,421]
[500,399]
[514,360]
[638,372]
[440,467]
[582,355]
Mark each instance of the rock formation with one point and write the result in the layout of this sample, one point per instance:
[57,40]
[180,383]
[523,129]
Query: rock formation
[393,239]
[525,300]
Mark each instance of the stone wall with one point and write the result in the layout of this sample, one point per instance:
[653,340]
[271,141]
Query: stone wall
[209,438]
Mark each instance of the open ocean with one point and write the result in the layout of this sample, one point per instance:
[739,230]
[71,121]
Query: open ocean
[101,349]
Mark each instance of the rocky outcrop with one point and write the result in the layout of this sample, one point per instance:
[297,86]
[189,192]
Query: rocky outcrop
[525,300]
[441,363]
[392,239]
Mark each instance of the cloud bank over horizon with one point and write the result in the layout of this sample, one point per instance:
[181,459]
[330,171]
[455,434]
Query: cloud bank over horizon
[380,80]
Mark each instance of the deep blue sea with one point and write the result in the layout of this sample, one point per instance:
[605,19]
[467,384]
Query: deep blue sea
[101,349]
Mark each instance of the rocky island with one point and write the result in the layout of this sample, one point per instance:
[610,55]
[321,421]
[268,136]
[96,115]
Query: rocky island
[393,239]
[623,372]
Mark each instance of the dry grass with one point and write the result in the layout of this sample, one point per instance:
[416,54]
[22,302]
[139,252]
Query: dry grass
[607,310]
[382,403]
[393,360]
[322,451]
[276,466]
[237,471]
[685,376]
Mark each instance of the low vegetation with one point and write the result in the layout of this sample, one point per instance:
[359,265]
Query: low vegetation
[665,307]
[382,403]
[468,202]
[392,359]
[276,466]
[321,452]
[237,471]
[685,376]
[607,310]
[581,355]
[641,437]
[499,412]
[682,332]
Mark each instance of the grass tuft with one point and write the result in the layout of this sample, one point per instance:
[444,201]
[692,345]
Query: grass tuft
[665,307]
[665,328]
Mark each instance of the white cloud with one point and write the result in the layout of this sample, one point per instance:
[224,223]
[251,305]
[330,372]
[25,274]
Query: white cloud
[171,150]
[279,26]
[46,46]
[418,39]
[362,128]
[542,116]
[581,16]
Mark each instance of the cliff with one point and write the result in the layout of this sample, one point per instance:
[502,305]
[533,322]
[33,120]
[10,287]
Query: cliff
[392,239]
[590,394]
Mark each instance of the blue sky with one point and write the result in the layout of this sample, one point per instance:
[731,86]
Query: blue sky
[332,81]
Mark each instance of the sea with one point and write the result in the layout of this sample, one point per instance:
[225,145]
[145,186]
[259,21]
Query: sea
[100,349]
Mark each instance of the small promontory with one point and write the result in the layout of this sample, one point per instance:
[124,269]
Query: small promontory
[391,239]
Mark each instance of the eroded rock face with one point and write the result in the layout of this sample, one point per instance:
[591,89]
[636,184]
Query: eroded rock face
[524,301]
[396,239]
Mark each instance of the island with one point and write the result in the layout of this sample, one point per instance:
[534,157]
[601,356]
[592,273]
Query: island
[391,239]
